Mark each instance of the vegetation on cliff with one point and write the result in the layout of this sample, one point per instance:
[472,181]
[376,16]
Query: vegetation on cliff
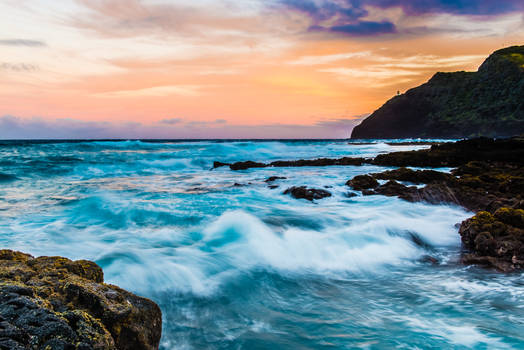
[489,102]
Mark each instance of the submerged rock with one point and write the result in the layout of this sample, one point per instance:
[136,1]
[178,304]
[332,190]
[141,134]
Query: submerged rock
[307,193]
[56,303]
[428,259]
[275,178]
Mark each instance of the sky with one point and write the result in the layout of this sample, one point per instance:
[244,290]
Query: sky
[229,68]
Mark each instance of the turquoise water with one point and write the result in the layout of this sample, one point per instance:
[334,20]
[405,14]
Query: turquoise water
[246,267]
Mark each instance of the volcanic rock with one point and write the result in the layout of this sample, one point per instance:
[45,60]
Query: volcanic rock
[307,193]
[56,303]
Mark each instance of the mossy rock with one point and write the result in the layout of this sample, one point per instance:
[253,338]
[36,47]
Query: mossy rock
[495,239]
[57,303]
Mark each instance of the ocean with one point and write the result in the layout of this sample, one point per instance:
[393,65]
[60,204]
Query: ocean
[235,264]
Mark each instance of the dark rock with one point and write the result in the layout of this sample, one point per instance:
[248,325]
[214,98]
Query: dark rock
[395,189]
[275,178]
[414,176]
[56,303]
[368,192]
[494,181]
[319,162]
[351,195]
[272,187]
[458,153]
[219,164]
[246,165]
[457,105]
[362,182]
[488,261]
[300,163]
[307,193]
[413,143]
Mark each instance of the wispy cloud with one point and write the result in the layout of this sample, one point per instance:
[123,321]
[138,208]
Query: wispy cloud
[370,73]
[171,121]
[382,70]
[426,62]
[18,67]
[135,18]
[158,91]
[326,59]
[22,42]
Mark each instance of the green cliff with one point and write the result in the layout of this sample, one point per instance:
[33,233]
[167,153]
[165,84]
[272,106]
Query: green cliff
[489,102]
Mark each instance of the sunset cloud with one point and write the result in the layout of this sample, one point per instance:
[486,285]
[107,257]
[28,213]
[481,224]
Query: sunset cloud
[18,67]
[233,66]
[358,18]
[327,59]
[22,42]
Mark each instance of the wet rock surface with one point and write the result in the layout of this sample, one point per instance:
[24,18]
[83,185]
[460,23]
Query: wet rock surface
[56,303]
[307,193]
[362,182]
[246,165]
[295,163]
[219,164]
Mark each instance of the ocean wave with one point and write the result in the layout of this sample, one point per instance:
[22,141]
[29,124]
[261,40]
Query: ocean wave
[238,243]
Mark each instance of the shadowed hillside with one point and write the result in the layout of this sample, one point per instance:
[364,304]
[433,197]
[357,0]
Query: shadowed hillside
[489,102]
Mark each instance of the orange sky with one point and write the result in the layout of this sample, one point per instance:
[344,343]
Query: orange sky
[225,64]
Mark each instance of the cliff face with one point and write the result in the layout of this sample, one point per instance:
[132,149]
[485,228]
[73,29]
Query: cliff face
[56,303]
[489,102]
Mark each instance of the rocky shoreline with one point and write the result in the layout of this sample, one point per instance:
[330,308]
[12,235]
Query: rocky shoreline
[488,178]
[55,303]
